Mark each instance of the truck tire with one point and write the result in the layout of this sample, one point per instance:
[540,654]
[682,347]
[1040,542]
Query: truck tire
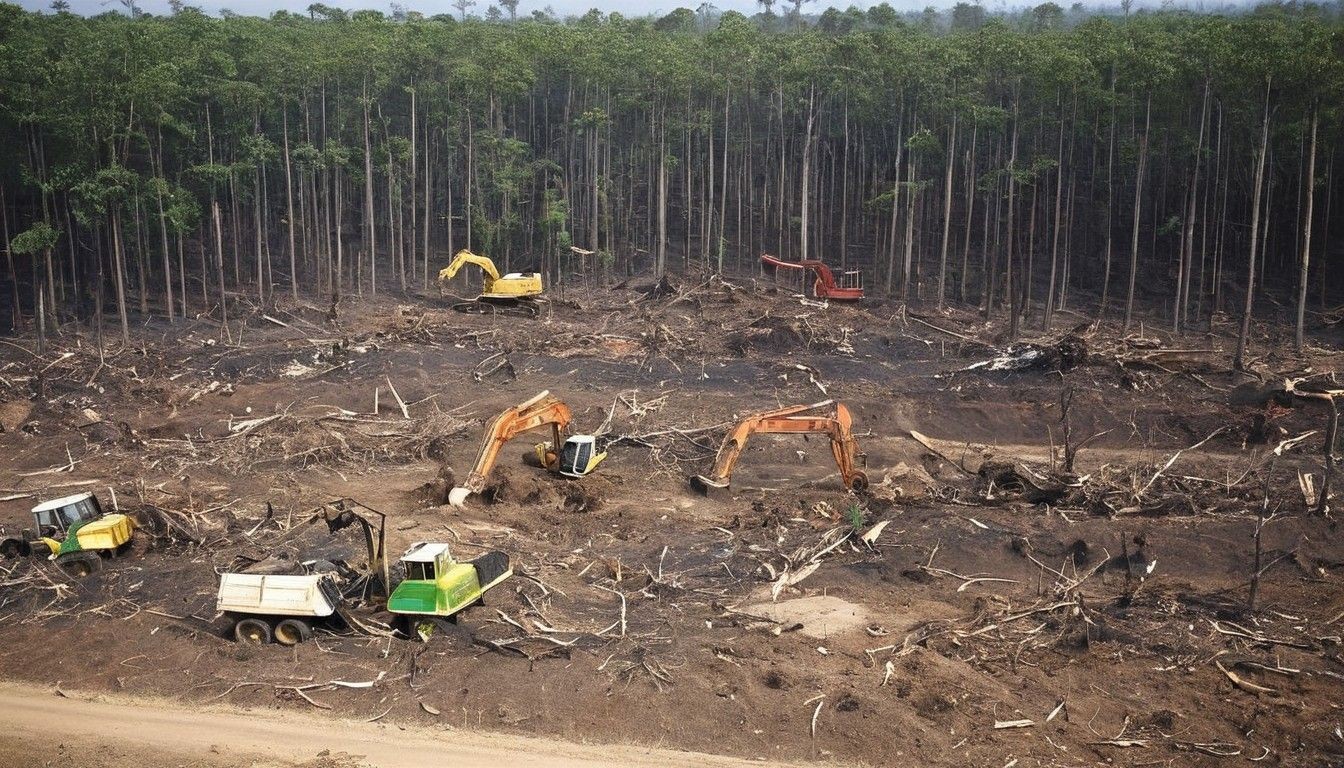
[252,631]
[80,564]
[12,548]
[292,632]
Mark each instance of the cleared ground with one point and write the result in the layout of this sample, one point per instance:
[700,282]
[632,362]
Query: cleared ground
[1112,614]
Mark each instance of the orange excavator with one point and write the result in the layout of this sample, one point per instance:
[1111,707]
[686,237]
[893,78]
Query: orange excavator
[824,284]
[835,423]
[576,456]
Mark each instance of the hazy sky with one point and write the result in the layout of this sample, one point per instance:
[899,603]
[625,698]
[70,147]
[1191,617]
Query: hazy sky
[562,7]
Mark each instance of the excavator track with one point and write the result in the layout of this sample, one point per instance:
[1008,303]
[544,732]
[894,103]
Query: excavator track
[511,308]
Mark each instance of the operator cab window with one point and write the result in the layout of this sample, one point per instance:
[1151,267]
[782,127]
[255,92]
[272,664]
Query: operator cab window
[420,571]
[75,513]
[575,456]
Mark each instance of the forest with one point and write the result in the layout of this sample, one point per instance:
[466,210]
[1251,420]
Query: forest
[1163,166]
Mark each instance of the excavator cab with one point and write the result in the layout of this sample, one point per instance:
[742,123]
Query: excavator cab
[579,456]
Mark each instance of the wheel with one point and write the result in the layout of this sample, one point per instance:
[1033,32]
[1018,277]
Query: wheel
[252,631]
[12,548]
[292,632]
[80,564]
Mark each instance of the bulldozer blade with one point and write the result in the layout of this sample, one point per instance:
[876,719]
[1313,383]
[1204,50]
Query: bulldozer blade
[707,486]
[458,497]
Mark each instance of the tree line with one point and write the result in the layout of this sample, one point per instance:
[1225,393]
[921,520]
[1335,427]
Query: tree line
[1129,164]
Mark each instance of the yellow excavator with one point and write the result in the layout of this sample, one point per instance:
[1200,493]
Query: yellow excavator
[576,456]
[835,423]
[516,293]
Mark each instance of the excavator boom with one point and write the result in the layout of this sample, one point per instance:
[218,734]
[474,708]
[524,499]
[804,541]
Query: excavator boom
[465,257]
[837,425]
[542,410]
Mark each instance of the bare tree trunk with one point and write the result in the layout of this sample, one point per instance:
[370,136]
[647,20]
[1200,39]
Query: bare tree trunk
[338,277]
[1014,315]
[908,252]
[219,264]
[414,178]
[661,266]
[844,190]
[804,186]
[1187,260]
[289,205]
[256,234]
[1138,212]
[720,242]
[429,207]
[1298,338]
[182,273]
[118,265]
[970,208]
[370,235]
[1325,222]
[16,317]
[1239,360]
[947,211]
[1110,207]
[1049,314]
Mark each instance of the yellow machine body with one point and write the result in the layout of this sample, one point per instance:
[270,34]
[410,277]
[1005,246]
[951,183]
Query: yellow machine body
[109,532]
[514,285]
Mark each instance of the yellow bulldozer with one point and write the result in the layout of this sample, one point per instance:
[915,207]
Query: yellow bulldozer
[74,532]
[515,293]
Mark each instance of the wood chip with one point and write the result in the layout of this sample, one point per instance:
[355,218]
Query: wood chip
[1243,683]
[870,537]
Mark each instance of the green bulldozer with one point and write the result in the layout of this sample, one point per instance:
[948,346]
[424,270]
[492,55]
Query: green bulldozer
[437,586]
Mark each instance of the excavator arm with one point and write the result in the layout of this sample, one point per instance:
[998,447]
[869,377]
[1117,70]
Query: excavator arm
[837,425]
[465,257]
[824,284]
[538,412]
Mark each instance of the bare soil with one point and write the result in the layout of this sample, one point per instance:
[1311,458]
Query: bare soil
[643,613]
[118,730]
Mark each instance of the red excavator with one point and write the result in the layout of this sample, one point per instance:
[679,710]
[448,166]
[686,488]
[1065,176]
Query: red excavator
[824,286]
[792,420]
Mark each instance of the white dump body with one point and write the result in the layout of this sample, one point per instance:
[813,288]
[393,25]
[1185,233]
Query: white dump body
[275,595]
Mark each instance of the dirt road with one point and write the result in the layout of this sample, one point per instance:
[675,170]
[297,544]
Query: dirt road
[114,732]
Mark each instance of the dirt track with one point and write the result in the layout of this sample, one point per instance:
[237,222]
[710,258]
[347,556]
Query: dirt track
[123,732]
[883,654]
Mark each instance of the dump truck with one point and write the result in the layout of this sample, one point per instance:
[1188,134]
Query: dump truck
[279,598]
[437,586]
[278,606]
[74,532]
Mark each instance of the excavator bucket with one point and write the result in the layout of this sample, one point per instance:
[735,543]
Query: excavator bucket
[458,496]
[707,486]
